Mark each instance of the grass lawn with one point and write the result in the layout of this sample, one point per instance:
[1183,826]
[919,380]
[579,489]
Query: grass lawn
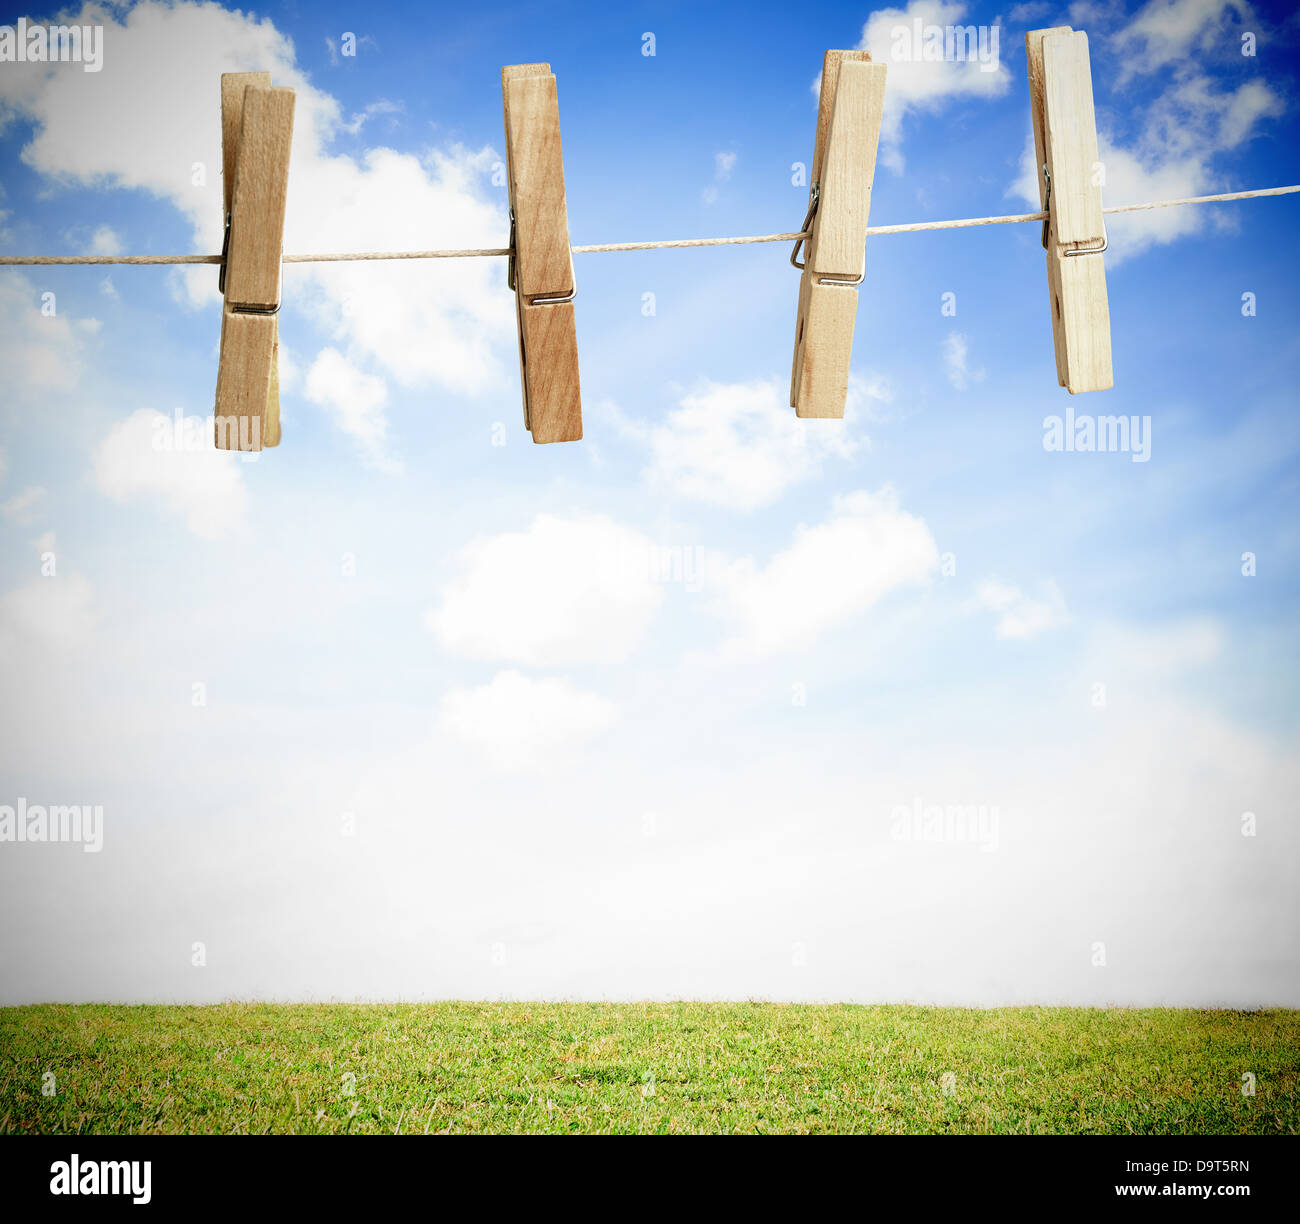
[653,1067]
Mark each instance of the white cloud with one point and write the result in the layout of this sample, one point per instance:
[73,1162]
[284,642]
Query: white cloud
[142,456]
[723,164]
[956,361]
[23,508]
[1173,168]
[1020,617]
[105,241]
[914,83]
[563,591]
[380,107]
[448,323]
[1192,120]
[51,612]
[831,572]
[1140,653]
[740,445]
[1164,31]
[4,464]
[1134,180]
[355,400]
[445,323]
[39,351]
[522,723]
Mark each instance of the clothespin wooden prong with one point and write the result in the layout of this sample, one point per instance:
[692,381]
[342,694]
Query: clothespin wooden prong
[1069,188]
[843,167]
[541,267]
[256,135]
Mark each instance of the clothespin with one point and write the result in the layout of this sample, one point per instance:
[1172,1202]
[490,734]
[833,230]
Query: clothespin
[541,266]
[843,167]
[1069,187]
[256,134]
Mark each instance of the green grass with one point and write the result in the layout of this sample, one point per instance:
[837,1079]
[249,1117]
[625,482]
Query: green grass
[645,1067]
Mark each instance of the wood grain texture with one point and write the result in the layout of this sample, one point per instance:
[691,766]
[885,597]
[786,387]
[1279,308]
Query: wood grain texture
[831,64]
[1034,67]
[271,419]
[1083,310]
[1070,126]
[838,246]
[830,315]
[1065,139]
[844,160]
[543,263]
[233,85]
[257,134]
[550,371]
[260,193]
[244,378]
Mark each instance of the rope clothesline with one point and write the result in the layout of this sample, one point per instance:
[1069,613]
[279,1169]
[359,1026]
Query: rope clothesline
[602,248]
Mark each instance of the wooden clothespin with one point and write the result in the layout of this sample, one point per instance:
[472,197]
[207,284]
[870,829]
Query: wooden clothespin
[843,167]
[541,268]
[256,134]
[1069,187]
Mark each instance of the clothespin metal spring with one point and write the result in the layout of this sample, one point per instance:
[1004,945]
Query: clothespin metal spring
[1047,221]
[510,274]
[221,281]
[806,228]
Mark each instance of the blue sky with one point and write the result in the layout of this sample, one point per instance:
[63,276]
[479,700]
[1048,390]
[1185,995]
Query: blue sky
[642,716]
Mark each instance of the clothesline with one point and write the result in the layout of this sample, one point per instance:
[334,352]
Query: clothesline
[603,248]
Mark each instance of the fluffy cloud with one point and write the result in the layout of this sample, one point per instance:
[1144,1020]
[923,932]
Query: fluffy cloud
[148,455]
[867,548]
[919,84]
[521,723]
[563,591]
[740,445]
[1149,656]
[445,323]
[39,351]
[1133,179]
[1023,14]
[1164,31]
[354,399]
[1020,617]
[956,361]
[105,241]
[1179,133]
[723,164]
[56,613]
[23,508]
